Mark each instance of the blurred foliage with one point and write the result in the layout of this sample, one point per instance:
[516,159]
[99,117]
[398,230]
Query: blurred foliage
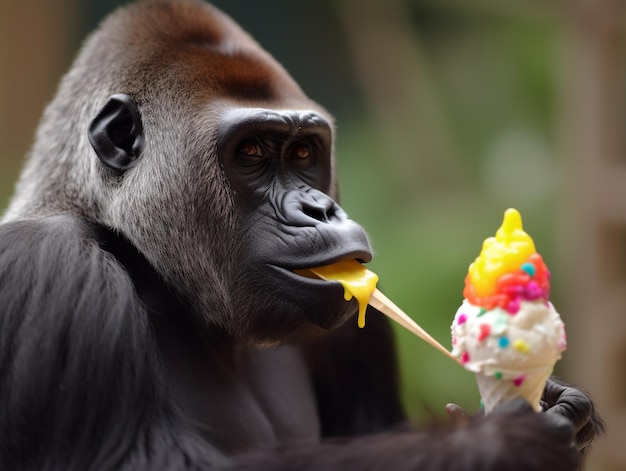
[492,72]
[494,76]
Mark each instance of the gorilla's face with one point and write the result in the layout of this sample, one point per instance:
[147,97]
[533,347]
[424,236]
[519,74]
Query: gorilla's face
[279,165]
[221,172]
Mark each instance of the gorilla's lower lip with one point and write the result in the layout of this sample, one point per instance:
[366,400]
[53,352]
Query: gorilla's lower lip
[310,290]
[307,276]
[301,275]
[303,280]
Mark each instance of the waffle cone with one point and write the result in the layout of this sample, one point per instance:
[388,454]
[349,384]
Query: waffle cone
[495,392]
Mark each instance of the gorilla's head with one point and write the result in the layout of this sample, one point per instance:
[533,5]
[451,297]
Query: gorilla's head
[177,131]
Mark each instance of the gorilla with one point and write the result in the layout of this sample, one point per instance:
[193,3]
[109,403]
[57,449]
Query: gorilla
[151,317]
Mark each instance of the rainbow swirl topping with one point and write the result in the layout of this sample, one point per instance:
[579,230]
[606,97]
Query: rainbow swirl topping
[508,269]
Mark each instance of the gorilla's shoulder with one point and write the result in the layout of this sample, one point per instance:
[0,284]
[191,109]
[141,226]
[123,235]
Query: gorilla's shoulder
[57,260]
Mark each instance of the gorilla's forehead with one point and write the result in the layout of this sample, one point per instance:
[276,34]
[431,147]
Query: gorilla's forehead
[174,21]
[192,45]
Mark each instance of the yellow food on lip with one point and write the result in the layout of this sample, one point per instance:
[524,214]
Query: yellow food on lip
[357,282]
[360,283]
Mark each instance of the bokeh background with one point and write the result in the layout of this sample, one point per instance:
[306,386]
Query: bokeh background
[448,112]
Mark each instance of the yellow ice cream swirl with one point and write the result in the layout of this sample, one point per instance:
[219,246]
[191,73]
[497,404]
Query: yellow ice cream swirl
[505,253]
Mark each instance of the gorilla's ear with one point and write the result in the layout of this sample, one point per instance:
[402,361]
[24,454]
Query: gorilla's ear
[116,133]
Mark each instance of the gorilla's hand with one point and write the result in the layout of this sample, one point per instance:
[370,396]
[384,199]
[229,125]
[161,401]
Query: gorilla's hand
[575,405]
[457,414]
[557,425]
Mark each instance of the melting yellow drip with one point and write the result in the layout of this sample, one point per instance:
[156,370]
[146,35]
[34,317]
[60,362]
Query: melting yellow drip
[356,280]
[359,282]
[501,254]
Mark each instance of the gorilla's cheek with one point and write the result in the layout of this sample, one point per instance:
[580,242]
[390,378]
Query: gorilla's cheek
[179,232]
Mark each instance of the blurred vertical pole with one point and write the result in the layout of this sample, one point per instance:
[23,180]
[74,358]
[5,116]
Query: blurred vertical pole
[593,230]
[35,40]
[399,89]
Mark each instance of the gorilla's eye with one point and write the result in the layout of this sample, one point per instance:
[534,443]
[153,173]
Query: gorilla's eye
[300,151]
[250,148]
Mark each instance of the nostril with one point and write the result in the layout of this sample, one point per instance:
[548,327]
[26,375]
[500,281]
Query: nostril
[319,212]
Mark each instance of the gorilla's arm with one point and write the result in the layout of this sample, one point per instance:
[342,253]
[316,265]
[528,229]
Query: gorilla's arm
[514,438]
[79,381]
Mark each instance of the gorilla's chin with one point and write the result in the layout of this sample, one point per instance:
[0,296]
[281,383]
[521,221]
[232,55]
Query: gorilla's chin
[322,302]
[283,307]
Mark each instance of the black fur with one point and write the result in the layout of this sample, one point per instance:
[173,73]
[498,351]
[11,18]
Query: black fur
[81,384]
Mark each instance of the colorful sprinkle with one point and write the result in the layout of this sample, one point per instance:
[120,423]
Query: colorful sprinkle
[519,380]
[533,290]
[503,342]
[484,331]
[500,324]
[482,312]
[521,346]
[528,268]
[513,305]
[465,357]
[462,319]
[498,375]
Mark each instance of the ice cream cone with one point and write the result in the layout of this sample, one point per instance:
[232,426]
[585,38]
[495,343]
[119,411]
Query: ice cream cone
[506,330]
[494,391]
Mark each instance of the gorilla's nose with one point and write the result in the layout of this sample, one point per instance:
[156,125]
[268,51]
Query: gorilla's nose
[310,207]
[319,206]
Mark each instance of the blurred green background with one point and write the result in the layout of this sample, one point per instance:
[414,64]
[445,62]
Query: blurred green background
[448,112]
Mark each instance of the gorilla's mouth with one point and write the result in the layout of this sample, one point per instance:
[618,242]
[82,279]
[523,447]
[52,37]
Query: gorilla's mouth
[356,280]
[328,272]
[338,271]
[321,302]
[307,273]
